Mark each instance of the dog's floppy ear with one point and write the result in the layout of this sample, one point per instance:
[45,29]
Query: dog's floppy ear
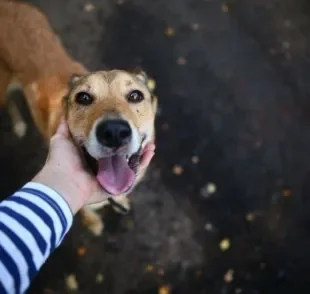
[74,78]
[141,75]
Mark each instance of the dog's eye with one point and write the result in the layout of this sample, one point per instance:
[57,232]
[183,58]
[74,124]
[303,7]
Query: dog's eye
[84,98]
[135,96]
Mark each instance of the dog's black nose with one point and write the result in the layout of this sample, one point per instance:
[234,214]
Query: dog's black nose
[113,133]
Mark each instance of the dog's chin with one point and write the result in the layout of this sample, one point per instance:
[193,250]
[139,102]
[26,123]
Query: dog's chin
[96,167]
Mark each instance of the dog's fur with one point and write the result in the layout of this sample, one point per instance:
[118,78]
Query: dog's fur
[32,57]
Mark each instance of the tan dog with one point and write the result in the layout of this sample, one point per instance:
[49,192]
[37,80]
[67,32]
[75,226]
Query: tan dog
[110,114]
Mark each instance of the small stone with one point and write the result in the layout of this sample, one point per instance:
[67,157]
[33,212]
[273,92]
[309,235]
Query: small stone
[89,7]
[177,170]
[225,8]
[99,278]
[272,51]
[195,159]
[250,217]
[229,276]
[209,227]
[195,26]
[287,23]
[161,272]
[169,32]
[71,283]
[225,244]
[286,45]
[181,60]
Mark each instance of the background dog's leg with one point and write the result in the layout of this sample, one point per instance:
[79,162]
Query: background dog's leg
[19,125]
[5,78]
[92,220]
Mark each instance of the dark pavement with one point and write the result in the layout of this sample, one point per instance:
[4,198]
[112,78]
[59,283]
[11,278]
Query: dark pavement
[232,80]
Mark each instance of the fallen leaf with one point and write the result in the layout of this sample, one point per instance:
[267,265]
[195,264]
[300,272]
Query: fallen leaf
[149,268]
[151,84]
[211,188]
[177,170]
[81,251]
[161,272]
[225,8]
[229,276]
[225,244]
[169,32]
[164,290]
[250,217]
[208,190]
[99,278]
[287,192]
[72,283]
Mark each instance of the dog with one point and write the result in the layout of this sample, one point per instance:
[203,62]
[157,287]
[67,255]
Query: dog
[110,114]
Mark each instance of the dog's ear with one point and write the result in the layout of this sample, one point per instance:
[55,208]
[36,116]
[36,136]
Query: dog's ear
[141,75]
[74,79]
[144,78]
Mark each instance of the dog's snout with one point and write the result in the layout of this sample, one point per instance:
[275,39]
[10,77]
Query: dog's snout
[113,133]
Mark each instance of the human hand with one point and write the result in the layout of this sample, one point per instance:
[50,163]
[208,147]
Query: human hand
[64,171]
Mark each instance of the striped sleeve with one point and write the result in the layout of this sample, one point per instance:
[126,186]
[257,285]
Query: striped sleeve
[33,222]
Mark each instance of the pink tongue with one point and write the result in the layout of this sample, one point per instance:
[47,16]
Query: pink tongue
[114,174]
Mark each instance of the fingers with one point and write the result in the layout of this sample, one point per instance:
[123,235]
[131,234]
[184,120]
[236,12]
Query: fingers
[149,147]
[148,153]
[62,129]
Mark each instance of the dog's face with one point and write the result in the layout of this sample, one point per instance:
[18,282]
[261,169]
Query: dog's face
[111,116]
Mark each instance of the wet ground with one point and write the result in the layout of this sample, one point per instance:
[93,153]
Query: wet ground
[232,79]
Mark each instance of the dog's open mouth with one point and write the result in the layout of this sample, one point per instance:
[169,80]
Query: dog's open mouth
[116,174]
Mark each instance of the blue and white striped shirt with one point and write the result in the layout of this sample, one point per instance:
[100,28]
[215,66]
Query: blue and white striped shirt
[33,222]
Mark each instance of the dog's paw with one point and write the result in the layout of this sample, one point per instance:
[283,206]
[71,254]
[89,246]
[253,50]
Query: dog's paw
[20,129]
[96,228]
[92,221]
[121,206]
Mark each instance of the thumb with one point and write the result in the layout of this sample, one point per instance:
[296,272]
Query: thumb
[63,129]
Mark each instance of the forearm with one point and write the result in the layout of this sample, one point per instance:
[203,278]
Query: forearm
[33,222]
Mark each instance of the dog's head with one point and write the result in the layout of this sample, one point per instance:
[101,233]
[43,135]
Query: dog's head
[111,116]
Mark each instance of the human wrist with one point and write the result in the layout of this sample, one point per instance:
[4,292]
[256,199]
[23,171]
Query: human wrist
[70,190]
